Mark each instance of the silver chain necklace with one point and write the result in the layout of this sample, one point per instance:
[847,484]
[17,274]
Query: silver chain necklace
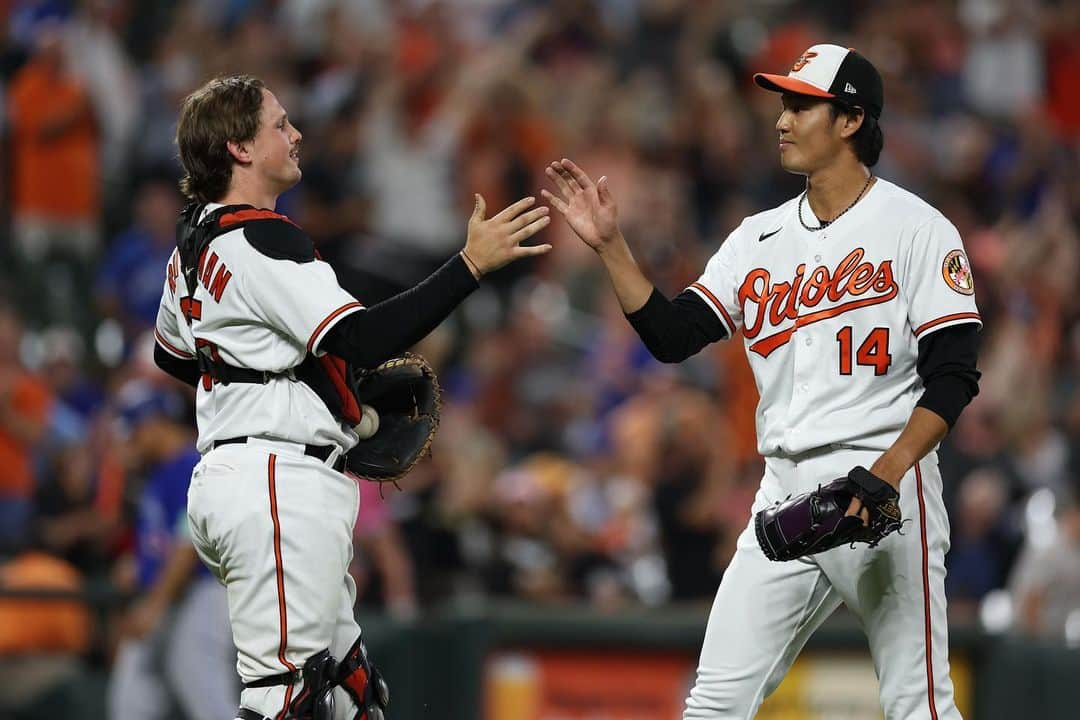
[826,223]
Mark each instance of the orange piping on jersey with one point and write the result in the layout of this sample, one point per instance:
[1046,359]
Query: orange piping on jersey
[717,304]
[279,572]
[766,345]
[329,319]
[926,595]
[240,216]
[947,318]
[170,347]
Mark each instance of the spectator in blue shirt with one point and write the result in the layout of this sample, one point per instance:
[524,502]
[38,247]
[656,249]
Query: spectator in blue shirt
[130,276]
[177,643]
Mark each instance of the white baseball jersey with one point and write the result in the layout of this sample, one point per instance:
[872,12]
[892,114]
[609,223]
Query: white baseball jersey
[261,313]
[831,319]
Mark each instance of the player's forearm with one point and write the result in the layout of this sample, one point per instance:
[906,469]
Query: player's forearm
[673,330]
[924,430]
[186,371]
[947,364]
[382,331]
[631,286]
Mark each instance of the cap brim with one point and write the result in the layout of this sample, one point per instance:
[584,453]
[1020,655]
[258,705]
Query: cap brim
[783,83]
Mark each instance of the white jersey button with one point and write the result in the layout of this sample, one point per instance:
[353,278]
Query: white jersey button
[817,258]
[808,341]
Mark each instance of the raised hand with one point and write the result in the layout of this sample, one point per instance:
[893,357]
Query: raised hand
[494,242]
[589,208]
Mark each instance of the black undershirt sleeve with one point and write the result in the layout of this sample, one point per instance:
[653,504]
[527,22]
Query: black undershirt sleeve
[380,332]
[186,371]
[673,330]
[946,365]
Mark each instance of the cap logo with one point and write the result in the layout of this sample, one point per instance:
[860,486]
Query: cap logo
[849,88]
[802,61]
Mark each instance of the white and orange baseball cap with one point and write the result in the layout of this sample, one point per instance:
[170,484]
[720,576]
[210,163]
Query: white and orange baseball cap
[831,71]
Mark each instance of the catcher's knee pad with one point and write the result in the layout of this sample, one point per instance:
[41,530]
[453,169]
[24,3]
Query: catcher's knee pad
[359,677]
[315,701]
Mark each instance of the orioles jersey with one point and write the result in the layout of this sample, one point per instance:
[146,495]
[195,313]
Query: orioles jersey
[831,319]
[263,301]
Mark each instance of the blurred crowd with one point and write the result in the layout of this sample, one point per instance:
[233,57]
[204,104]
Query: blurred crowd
[570,467]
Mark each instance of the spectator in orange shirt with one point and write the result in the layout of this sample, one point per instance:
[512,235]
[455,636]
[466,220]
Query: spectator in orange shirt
[35,626]
[55,182]
[43,642]
[25,402]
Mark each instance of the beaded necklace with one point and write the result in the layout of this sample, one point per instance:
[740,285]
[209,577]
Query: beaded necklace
[826,223]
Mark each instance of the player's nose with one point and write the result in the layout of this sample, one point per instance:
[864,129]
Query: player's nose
[783,123]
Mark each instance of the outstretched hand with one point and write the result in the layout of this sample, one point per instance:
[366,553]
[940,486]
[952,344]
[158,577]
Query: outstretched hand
[588,207]
[495,241]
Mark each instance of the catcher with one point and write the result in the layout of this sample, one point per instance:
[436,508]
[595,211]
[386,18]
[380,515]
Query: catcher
[288,367]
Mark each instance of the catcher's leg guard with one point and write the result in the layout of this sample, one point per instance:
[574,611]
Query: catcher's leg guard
[365,684]
[316,699]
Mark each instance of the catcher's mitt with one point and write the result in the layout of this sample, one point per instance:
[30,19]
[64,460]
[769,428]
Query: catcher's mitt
[814,522]
[406,394]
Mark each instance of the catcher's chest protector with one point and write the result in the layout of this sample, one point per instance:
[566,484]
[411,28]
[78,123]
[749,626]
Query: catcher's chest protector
[330,377]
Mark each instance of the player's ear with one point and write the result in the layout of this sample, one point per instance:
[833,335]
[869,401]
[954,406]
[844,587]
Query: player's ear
[240,152]
[853,120]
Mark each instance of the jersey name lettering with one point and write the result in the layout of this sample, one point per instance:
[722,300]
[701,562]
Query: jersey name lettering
[760,298]
[173,272]
[214,284]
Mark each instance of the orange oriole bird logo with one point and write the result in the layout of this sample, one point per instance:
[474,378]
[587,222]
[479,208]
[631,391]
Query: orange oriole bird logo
[803,61]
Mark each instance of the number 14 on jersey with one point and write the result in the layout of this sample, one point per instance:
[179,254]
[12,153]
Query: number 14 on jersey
[873,350]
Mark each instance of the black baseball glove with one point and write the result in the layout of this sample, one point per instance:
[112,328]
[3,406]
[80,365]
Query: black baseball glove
[815,521]
[405,393]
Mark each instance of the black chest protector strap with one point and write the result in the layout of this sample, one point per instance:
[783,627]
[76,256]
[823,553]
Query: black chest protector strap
[193,237]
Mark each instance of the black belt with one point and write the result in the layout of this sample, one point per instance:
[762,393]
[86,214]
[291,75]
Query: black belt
[322,452]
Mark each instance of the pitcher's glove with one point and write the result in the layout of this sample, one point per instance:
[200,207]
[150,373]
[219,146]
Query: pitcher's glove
[814,522]
[406,395]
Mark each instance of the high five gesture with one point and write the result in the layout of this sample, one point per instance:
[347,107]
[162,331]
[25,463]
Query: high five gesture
[591,212]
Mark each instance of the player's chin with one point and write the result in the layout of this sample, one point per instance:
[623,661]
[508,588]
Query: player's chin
[291,176]
[791,163]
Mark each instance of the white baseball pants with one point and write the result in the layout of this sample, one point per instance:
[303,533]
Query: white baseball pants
[765,611]
[276,527]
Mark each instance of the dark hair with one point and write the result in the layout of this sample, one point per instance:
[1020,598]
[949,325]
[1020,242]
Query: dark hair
[226,108]
[868,140]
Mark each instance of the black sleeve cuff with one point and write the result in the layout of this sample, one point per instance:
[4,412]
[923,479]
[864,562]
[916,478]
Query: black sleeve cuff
[647,320]
[946,363]
[387,329]
[186,371]
[947,396]
[673,330]
[461,273]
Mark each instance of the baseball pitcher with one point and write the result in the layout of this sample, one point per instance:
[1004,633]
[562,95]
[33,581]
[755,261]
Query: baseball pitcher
[856,305]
